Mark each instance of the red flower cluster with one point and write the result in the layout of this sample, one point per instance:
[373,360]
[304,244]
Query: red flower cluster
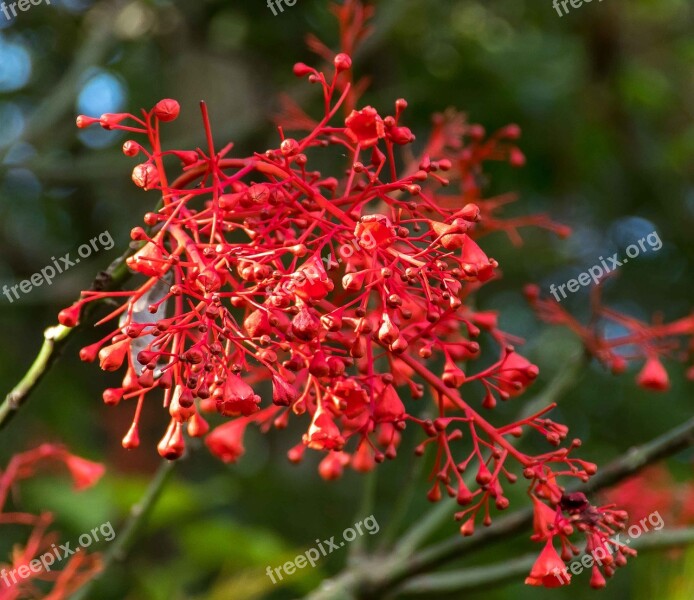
[573,512]
[81,566]
[350,295]
[640,342]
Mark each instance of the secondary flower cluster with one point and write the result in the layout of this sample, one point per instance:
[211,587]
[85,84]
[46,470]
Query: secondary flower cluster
[640,341]
[573,512]
[350,295]
[80,567]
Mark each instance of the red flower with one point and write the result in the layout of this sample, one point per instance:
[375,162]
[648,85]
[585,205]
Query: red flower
[517,374]
[323,434]
[85,473]
[477,263]
[389,407]
[226,441]
[313,282]
[543,520]
[653,376]
[548,570]
[236,398]
[350,398]
[365,127]
[373,231]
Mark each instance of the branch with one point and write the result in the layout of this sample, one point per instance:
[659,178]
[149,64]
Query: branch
[498,574]
[54,338]
[139,513]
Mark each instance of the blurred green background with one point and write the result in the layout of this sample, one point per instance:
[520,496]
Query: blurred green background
[604,96]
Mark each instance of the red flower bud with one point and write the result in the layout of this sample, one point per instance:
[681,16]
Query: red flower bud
[84,121]
[187,157]
[131,440]
[305,325]
[283,393]
[148,260]
[301,69]
[289,147]
[342,61]
[400,135]
[109,120]
[166,110]
[111,357]
[332,466]
[70,316]
[131,148]
[226,441]
[653,376]
[145,176]
[112,396]
[197,426]
[172,445]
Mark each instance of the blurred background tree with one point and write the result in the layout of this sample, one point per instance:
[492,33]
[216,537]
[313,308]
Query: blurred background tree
[604,96]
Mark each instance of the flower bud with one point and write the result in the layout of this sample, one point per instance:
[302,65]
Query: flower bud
[301,69]
[145,176]
[342,61]
[166,110]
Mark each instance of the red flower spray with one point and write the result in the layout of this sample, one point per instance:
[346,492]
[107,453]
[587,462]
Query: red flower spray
[351,295]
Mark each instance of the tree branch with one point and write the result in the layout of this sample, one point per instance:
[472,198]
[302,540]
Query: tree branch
[498,574]
[139,513]
[54,338]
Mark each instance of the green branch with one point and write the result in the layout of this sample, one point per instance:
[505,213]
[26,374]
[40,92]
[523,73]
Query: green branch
[498,574]
[139,514]
[54,339]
